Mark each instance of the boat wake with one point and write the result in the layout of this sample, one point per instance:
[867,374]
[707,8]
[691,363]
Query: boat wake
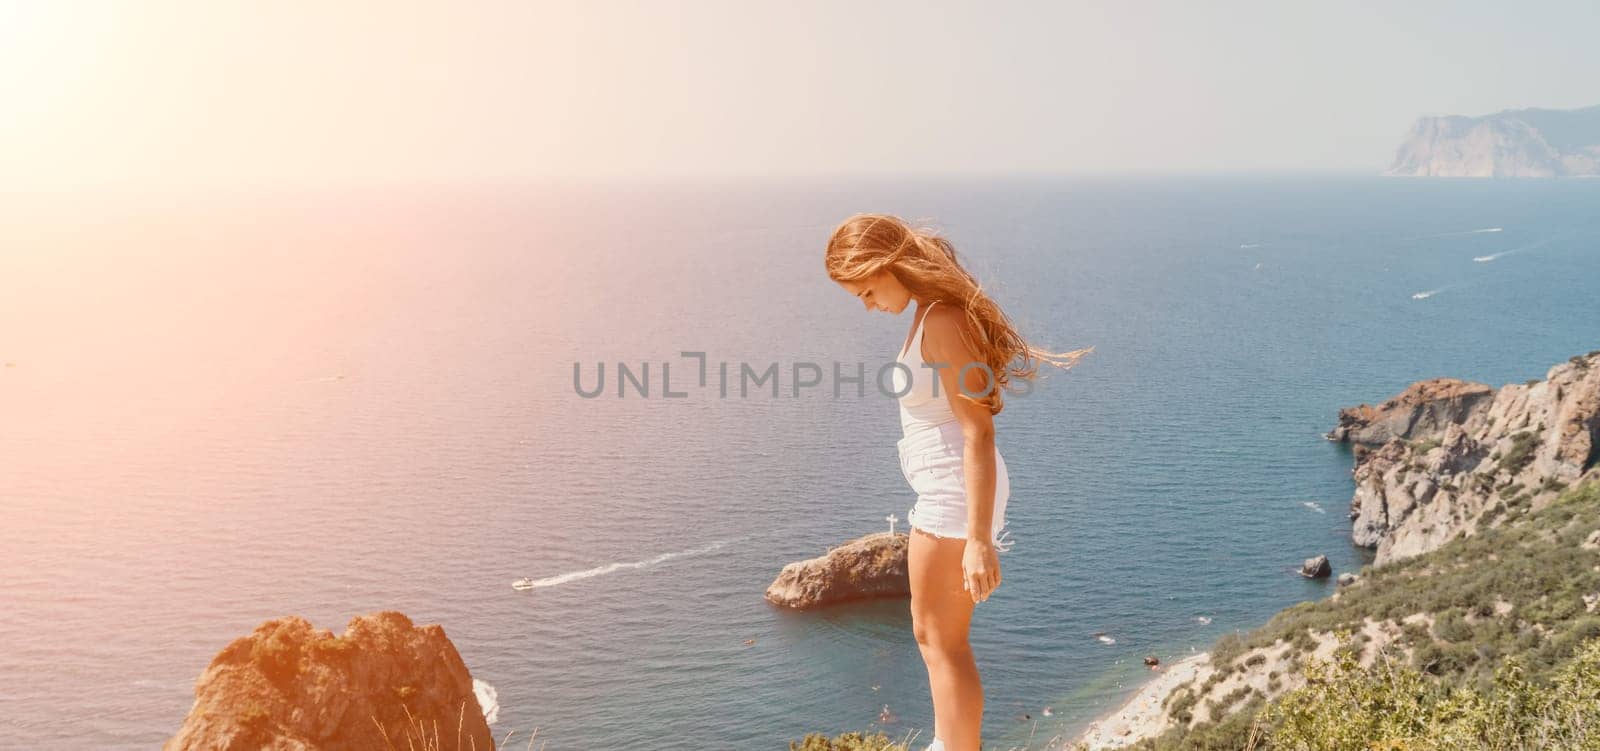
[1462,233]
[551,581]
[1425,294]
[1504,253]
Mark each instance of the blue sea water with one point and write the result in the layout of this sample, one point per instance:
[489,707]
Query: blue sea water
[328,404]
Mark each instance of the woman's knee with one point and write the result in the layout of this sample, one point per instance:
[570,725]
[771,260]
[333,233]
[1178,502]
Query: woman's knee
[936,640]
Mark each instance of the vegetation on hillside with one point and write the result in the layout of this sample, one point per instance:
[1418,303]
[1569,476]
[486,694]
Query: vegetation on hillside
[852,741]
[1506,657]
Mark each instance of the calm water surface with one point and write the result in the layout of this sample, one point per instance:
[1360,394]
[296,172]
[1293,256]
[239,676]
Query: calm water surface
[217,412]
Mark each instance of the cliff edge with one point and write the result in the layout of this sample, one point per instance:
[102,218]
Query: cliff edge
[1484,507]
[1445,458]
[1513,143]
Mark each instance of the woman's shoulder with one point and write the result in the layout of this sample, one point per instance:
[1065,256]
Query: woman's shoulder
[946,314]
[945,323]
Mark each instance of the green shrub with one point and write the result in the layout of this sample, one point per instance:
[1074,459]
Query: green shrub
[852,741]
[1533,562]
[1423,447]
[1520,453]
[1226,650]
[1392,706]
[1182,708]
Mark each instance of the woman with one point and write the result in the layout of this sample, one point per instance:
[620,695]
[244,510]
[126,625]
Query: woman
[960,355]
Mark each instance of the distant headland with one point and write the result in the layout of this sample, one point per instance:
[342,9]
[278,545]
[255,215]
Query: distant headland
[1511,143]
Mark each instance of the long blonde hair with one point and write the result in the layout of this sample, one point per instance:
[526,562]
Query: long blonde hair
[926,264]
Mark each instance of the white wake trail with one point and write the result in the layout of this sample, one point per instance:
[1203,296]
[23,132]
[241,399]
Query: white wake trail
[1504,253]
[1464,232]
[551,581]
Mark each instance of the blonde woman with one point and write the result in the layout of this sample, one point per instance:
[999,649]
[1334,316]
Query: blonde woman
[960,354]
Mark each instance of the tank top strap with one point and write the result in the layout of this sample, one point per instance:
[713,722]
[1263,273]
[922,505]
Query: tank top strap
[916,337]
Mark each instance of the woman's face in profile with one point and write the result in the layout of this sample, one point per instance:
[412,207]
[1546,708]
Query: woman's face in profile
[881,291]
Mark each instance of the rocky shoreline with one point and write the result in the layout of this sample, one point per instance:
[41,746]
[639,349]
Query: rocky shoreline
[1442,460]
[1446,457]
[1143,714]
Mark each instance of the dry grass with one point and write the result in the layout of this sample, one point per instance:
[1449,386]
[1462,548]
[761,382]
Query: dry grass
[419,738]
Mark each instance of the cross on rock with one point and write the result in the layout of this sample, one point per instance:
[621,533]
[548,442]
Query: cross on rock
[891,519]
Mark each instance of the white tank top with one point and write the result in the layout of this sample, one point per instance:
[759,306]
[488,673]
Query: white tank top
[920,408]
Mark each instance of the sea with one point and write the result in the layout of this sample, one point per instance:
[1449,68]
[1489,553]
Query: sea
[224,408]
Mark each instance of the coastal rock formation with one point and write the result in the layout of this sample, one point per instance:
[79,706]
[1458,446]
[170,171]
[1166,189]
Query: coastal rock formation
[1445,464]
[1197,690]
[1316,568]
[1512,143]
[383,684]
[1424,408]
[870,566]
[1451,456]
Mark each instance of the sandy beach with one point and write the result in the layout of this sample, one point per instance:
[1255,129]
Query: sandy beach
[1142,716]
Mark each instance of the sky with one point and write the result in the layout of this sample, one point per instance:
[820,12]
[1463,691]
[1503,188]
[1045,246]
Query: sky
[197,94]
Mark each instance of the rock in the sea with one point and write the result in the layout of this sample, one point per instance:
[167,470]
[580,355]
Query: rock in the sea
[1347,578]
[1152,661]
[1316,568]
[870,566]
[1455,457]
[383,684]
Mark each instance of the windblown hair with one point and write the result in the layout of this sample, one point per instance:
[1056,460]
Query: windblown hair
[926,264]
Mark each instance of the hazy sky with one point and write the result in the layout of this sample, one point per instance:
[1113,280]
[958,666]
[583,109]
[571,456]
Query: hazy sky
[207,93]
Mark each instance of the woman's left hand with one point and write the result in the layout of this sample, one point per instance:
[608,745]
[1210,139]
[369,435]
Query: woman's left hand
[980,569]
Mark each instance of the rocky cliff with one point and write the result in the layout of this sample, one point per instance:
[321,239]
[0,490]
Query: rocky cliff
[1455,486]
[1513,143]
[383,684]
[1526,590]
[1445,458]
[869,566]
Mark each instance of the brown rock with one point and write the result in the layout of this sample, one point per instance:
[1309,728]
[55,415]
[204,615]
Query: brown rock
[870,566]
[1316,568]
[383,684]
[1423,408]
[1456,456]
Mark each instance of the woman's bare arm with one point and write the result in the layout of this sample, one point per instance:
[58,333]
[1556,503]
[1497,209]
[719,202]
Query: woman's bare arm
[942,335]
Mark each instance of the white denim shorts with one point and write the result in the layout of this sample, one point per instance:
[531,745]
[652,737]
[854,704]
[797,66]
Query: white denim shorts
[932,462]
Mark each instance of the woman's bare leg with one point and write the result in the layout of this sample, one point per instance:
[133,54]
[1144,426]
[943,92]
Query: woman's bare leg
[941,613]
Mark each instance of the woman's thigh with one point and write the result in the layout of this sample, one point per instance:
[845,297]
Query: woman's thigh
[941,609]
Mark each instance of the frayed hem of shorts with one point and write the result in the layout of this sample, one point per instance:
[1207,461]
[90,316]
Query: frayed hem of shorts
[936,534]
[1002,544]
